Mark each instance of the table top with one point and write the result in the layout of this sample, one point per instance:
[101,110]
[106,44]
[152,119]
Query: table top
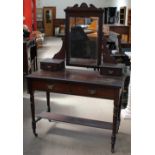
[79,76]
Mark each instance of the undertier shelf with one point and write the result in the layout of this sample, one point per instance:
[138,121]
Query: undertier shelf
[74,120]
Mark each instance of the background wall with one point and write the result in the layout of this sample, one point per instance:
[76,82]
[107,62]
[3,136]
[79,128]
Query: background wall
[62,4]
[120,3]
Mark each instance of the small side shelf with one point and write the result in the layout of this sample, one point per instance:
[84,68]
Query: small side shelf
[75,120]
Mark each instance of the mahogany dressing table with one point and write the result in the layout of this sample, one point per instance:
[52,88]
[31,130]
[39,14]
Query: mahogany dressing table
[79,82]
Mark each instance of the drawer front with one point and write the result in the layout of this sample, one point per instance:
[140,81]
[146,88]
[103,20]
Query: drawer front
[74,89]
[47,67]
[111,71]
[90,91]
[50,67]
[49,86]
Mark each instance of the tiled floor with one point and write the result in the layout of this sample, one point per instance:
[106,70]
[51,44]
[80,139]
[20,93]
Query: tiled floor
[57,138]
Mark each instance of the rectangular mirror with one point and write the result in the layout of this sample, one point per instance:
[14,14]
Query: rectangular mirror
[83,36]
[83,40]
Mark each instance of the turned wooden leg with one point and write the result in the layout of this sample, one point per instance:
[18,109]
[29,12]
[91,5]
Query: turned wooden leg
[114,131]
[113,140]
[33,113]
[115,122]
[119,113]
[48,101]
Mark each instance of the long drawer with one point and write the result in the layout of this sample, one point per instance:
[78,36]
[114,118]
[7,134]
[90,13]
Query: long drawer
[75,89]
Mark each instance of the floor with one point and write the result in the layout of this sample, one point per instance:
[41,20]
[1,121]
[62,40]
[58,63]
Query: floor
[56,138]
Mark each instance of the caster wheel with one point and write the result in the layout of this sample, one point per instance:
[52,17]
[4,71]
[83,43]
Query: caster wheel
[35,134]
[112,151]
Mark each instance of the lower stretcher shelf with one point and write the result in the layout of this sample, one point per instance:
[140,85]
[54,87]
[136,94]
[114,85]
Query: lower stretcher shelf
[75,120]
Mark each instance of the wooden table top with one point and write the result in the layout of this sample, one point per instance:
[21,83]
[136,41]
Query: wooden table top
[79,76]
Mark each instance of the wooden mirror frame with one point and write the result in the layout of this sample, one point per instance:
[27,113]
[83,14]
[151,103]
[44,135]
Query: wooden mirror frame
[84,11]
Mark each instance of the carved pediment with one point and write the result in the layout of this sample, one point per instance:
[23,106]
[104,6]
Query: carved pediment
[83,6]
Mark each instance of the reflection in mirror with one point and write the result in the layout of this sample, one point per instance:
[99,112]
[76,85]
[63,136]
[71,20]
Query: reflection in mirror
[83,40]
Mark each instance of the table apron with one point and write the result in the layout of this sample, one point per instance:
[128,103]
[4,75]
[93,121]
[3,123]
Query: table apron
[74,89]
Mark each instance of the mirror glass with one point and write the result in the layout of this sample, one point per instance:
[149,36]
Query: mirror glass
[83,41]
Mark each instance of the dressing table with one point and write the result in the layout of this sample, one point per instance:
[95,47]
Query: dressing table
[79,82]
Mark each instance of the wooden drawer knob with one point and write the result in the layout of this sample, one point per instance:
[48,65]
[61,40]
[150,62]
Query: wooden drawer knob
[92,91]
[50,87]
[110,71]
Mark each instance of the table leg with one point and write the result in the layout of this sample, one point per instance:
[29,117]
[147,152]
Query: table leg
[33,113]
[115,119]
[48,101]
[119,113]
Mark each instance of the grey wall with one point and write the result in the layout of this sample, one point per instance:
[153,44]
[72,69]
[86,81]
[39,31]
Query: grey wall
[120,3]
[62,4]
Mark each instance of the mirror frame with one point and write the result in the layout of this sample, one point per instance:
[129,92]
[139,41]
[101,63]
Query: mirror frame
[84,11]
